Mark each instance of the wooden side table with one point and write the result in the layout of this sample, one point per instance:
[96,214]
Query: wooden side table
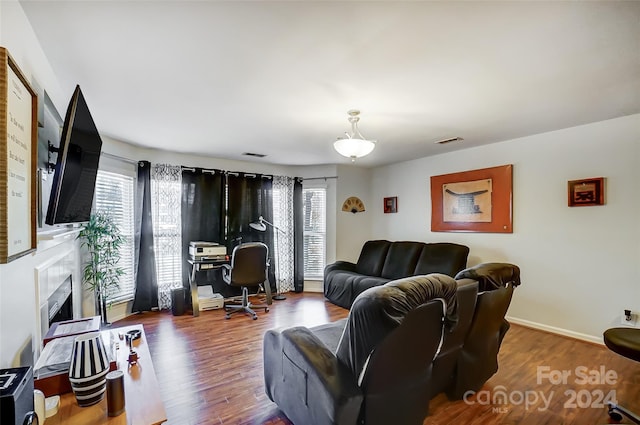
[143,403]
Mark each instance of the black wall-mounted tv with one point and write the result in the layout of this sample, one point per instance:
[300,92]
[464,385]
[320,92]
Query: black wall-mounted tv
[74,179]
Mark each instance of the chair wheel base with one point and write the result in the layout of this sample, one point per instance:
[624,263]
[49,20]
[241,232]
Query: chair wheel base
[615,415]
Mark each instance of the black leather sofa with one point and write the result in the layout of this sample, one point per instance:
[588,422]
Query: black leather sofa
[403,343]
[381,261]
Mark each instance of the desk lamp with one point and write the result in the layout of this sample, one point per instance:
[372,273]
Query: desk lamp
[260,226]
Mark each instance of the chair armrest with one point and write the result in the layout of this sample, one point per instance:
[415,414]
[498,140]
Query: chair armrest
[340,265]
[307,381]
[226,273]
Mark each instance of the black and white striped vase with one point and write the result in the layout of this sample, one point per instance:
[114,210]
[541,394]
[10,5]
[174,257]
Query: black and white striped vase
[88,369]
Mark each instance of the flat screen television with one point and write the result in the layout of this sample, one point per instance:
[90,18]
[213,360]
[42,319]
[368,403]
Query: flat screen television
[76,168]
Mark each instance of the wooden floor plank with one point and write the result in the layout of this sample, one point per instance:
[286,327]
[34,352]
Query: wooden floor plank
[210,371]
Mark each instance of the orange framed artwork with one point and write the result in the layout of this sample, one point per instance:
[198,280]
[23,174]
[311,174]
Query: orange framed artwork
[473,201]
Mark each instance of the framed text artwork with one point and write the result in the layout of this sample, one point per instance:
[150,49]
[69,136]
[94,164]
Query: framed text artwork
[391,205]
[18,157]
[588,192]
[473,201]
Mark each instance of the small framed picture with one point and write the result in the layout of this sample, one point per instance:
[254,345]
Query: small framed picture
[588,192]
[391,205]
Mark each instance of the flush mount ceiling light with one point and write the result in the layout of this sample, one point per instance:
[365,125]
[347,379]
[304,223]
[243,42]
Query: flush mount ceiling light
[354,145]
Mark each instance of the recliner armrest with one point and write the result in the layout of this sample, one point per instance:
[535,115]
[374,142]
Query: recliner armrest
[340,265]
[307,381]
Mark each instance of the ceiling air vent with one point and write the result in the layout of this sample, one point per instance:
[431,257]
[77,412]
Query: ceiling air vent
[256,155]
[445,141]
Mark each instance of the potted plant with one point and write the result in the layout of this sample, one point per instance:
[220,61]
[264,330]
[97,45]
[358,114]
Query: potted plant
[101,273]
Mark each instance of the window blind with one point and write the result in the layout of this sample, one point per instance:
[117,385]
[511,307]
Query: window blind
[114,195]
[315,225]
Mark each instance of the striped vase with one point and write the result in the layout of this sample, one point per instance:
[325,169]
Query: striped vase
[88,369]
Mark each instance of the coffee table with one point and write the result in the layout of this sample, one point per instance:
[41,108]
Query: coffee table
[143,403]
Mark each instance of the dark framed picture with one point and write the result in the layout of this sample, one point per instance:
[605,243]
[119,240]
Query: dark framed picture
[391,205]
[18,160]
[584,193]
[473,201]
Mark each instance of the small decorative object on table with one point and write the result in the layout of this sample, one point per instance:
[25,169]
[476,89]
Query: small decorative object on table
[115,393]
[88,369]
[133,356]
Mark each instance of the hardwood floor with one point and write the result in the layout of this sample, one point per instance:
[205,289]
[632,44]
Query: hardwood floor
[210,371]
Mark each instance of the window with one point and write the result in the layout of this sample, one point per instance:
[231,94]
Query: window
[314,234]
[114,194]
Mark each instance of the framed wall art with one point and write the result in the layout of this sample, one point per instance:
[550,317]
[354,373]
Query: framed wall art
[588,192]
[391,205]
[473,201]
[18,157]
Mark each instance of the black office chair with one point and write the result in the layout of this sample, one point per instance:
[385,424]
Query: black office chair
[626,342]
[249,264]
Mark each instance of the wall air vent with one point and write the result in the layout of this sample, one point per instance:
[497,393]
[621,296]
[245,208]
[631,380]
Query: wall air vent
[445,141]
[256,155]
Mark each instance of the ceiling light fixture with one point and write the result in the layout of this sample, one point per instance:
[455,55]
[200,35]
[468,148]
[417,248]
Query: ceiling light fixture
[354,145]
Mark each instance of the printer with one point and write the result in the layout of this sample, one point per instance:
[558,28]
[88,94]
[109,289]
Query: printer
[200,251]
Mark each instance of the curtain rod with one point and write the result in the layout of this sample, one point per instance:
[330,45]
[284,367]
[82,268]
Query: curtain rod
[204,170]
[119,158]
[251,175]
[320,178]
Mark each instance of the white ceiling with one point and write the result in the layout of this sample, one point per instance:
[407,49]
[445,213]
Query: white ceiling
[221,78]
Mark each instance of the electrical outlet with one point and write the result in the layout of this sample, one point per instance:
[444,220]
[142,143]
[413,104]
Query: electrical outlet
[631,320]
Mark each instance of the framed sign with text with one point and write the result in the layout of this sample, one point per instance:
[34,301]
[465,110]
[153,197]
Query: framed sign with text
[18,157]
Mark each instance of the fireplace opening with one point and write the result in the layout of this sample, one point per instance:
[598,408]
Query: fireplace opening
[60,303]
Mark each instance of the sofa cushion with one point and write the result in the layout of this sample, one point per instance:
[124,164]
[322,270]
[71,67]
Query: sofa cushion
[342,287]
[443,257]
[379,310]
[401,259]
[372,257]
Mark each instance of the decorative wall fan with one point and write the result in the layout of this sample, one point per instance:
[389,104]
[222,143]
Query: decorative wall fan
[353,204]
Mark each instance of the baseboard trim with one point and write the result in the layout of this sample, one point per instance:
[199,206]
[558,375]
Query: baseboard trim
[118,311]
[555,330]
[313,286]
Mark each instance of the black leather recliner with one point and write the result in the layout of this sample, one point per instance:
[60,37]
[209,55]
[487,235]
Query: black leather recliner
[352,371]
[321,375]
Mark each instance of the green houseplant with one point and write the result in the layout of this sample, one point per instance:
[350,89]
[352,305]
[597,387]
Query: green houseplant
[101,273]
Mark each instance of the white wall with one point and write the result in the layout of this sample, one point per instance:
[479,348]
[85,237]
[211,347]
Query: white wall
[580,266]
[17,36]
[353,230]
[138,153]
[17,279]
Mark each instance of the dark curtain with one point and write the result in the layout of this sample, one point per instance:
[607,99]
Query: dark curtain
[146,292]
[202,218]
[298,241]
[249,197]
